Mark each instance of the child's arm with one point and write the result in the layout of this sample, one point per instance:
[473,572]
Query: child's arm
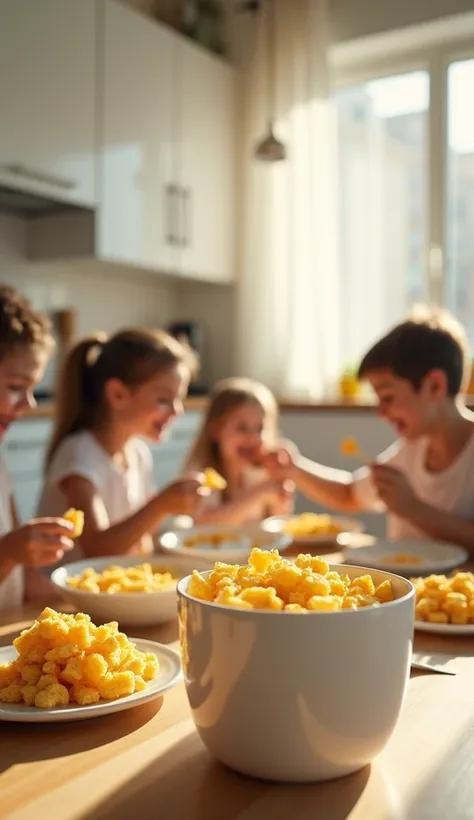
[329,487]
[399,497]
[99,537]
[37,585]
[38,543]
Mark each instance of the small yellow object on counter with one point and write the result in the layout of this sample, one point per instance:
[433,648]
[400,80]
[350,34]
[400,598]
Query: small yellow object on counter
[64,659]
[272,582]
[77,518]
[116,579]
[443,600]
[214,481]
[311,524]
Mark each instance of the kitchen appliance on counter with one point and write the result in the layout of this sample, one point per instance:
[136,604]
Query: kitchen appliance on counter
[191,334]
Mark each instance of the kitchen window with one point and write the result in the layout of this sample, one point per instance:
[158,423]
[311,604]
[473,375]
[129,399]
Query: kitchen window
[406,177]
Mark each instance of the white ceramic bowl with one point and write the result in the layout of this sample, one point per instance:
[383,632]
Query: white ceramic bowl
[297,697]
[128,608]
[233,550]
[277,523]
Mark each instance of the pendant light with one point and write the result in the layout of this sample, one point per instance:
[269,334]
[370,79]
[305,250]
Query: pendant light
[270,149]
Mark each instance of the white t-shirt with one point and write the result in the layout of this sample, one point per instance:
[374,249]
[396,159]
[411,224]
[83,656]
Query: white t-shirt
[251,477]
[451,490]
[12,588]
[123,490]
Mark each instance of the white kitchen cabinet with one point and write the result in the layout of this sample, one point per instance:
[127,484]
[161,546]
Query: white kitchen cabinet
[207,164]
[138,167]
[48,98]
[167,160]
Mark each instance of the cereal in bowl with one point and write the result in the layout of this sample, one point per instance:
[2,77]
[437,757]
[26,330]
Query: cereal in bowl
[117,579]
[66,659]
[269,581]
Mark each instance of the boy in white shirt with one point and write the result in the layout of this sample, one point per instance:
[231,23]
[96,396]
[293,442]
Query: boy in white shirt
[25,345]
[425,481]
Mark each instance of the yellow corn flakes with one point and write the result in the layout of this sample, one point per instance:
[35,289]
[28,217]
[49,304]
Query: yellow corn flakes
[271,582]
[66,659]
[77,518]
[443,600]
[116,579]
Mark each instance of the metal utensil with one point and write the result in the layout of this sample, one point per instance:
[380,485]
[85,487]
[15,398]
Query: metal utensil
[428,667]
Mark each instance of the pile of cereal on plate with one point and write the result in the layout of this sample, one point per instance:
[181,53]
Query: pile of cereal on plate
[269,581]
[443,600]
[308,524]
[66,659]
[117,579]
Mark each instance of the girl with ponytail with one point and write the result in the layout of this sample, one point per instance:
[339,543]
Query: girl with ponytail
[113,393]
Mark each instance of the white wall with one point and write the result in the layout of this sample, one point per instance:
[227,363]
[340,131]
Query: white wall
[106,297]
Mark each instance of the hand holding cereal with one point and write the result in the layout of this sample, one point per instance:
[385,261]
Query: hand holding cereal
[394,489]
[184,496]
[280,462]
[39,543]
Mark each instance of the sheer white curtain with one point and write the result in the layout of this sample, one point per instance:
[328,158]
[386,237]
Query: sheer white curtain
[289,305]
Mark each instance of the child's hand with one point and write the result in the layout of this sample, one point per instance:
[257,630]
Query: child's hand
[184,496]
[394,489]
[39,543]
[280,462]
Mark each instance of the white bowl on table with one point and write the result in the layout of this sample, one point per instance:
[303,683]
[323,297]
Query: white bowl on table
[297,697]
[128,608]
[414,557]
[205,545]
[341,524]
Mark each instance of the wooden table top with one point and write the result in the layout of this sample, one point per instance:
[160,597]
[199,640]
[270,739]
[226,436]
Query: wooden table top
[149,762]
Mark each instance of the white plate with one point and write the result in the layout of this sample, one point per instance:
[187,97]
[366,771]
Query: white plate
[235,550]
[277,523]
[436,557]
[444,629]
[168,676]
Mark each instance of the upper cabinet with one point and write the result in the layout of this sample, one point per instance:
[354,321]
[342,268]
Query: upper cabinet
[48,98]
[167,171]
[207,162]
[138,172]
[106,109]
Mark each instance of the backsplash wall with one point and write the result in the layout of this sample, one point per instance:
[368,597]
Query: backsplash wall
[107,298]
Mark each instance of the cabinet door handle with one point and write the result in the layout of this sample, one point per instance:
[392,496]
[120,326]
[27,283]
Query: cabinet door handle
[18,170]
[170,193]
[186,200]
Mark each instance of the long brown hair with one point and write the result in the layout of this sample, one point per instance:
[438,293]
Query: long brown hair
[133,356]
[227,397]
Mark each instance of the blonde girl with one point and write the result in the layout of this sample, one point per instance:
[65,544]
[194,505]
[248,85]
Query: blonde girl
[241,424]
[112,391]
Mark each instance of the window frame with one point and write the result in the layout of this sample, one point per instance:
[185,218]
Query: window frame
[432,47]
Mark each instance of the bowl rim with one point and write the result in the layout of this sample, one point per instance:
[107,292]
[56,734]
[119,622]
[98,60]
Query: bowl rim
[181,589]
[117,596]
[180,548]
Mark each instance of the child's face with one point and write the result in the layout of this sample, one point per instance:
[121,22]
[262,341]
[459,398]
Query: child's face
[147,410]
[411,412]
[241,435]
[20,372]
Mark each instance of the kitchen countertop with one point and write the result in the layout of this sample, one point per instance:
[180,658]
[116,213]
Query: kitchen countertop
[150,762]
[45,409]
